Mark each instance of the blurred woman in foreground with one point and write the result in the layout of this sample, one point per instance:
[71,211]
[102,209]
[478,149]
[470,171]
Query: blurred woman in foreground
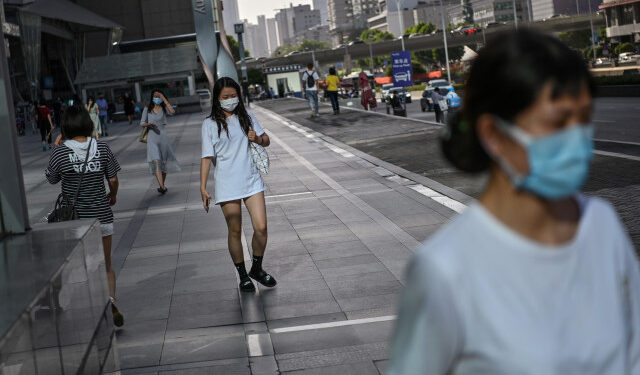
[534,278]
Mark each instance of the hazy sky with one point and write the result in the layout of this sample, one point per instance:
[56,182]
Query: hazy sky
[251,9]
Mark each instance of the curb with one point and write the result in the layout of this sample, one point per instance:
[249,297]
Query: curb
[431,184]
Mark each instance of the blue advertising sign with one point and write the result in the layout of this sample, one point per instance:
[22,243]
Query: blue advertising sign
[401,68]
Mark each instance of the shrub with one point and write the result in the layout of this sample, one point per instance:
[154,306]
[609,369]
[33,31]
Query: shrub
[625,47]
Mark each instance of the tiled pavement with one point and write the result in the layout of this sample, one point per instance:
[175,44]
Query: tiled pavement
[341,231]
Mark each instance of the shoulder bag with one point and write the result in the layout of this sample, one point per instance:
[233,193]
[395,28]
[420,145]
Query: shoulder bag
[65,210]
[145,131]
[260,157]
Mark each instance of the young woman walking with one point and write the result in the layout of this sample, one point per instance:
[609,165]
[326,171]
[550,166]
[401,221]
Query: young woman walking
[94,114]
[333,82]
[43,117]
[160,155]
[226,134]
[66,164]
[534,278]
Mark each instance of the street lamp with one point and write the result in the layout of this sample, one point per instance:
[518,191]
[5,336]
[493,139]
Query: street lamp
[593,42]
[444,36]
[400,18]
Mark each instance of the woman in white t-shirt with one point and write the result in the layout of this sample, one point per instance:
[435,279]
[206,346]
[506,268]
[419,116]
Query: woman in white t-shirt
[534,278]
[226,134]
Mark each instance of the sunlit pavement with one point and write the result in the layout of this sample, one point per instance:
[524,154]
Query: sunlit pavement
[342,226]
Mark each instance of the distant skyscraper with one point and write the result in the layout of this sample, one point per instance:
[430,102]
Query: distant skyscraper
[272,35]
[348,18]
[294,20]
[230,16]
[323,7]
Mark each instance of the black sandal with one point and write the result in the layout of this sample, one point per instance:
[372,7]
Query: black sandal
[263,278]
[162,191]
[247,286]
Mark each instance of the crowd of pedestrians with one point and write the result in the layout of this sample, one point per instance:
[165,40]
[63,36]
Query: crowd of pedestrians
[533,278]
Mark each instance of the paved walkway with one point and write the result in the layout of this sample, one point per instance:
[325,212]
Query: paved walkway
[341,230]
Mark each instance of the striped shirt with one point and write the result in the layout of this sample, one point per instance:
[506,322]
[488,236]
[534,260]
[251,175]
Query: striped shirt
[92,202]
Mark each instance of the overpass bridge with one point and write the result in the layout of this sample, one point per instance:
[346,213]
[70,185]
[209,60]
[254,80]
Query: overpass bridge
[423,42]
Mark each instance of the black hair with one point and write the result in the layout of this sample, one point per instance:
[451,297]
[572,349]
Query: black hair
[152,104]
[92,100]
[310,65]
[437,89]
[217,113]
[505,79]
[76,122]
[332,71]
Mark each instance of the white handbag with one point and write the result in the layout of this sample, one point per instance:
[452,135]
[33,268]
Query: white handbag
[260,157]
[443,105]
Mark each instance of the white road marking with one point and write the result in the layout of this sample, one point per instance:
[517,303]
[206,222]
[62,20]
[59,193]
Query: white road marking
[442,199]
[341,323]
[621,142]
[253,342]
[617,155]
[288,195]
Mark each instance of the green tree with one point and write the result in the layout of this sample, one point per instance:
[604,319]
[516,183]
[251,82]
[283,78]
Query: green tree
[625,47]
[578,39]
[455,53]
[235,48]
[374,36]
[415,66]
[283,50]
[255,76]
[420,28]
[312,45]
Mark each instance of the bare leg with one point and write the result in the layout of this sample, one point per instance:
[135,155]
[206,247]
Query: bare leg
[111,275]
[158,173]
[233,216]
[258,211]
[164,177]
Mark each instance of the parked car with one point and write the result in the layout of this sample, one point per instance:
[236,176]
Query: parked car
[465,30]
[443,84]
[357,41]
[414,35]
[385,90]
[406,98]
[626,57]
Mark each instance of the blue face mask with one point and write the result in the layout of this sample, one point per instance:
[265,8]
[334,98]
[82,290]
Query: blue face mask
[158,101]
[558,163]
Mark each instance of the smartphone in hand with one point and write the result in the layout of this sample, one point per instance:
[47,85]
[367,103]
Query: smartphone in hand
[208,203]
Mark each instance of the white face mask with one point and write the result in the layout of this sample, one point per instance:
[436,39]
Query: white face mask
[229,104]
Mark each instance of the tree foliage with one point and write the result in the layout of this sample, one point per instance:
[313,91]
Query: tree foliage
[578,39]
[283,50]
[421,28]
[255,76]
[304,46]
[625,47]
[373,36]
[235,48]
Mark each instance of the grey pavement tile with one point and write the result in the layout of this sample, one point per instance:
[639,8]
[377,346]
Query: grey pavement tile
[367,285]
[366,185]
[140,343]
[301,309]
[265,365]
[423,232]
[294,271]
[345,210]
[372,313]
[357,368]
[189,245]
[323,242]
[367,302]
[353,269]
[316,339]
[331,230]
[130,277]
[204,344]
[282,298]
[165,262]
[329,219]
[152,251]
[234,369]
[196,284]
[346,261]
[306,320]
[381,365]
[326,193]
[426,218]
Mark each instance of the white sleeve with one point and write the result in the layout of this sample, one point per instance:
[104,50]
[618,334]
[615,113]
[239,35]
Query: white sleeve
[208,146]
[256,125]
[427,335]
[143,118]
[632,285]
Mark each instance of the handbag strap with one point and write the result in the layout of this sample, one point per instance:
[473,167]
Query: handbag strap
[84,170]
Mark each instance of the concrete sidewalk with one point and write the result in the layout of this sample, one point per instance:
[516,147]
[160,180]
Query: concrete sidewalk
[341,230]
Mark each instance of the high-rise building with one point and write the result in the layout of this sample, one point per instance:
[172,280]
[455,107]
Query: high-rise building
[322,6]
[621,25]
[230,16]
[548,8]
[488,11]
[348,18]
[272,35]
[294,20]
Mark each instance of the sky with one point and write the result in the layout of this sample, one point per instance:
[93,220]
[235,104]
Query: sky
[251,9]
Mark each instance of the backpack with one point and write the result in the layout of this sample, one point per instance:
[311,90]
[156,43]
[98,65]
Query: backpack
[310,80]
